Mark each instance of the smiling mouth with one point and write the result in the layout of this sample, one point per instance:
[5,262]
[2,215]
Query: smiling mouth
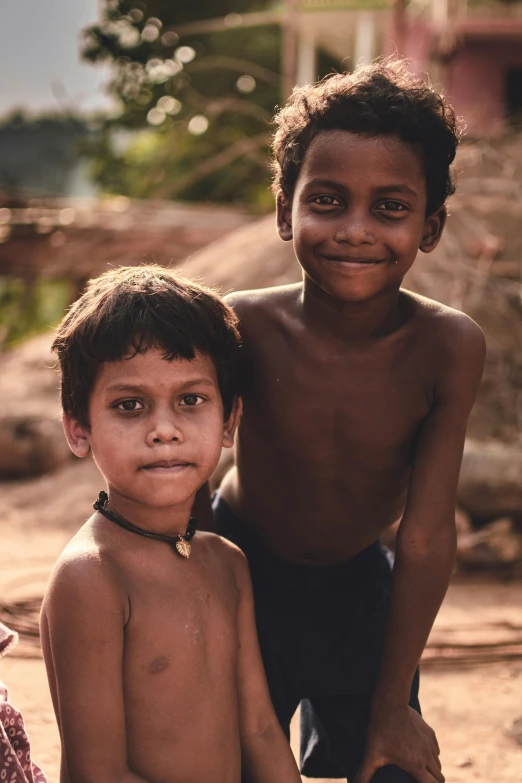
[353,262]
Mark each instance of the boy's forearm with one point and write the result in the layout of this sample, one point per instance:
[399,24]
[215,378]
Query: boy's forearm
[420,580]
[267,757]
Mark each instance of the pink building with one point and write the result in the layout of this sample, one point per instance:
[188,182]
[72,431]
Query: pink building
[471,48]
[474,49]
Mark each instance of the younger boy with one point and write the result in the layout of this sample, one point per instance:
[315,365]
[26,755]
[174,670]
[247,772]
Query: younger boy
[356,395]
[148,630]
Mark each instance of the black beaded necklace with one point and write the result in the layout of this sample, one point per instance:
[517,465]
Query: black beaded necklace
[180,543]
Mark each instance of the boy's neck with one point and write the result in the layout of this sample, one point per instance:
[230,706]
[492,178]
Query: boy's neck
[371,318]
[169,520]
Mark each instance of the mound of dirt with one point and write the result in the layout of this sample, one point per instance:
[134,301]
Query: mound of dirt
[31,435]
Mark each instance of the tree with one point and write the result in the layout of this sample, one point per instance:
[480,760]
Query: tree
[202,100]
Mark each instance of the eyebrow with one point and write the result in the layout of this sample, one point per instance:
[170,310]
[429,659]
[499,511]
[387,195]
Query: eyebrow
[314,183]
[391,188]
[136,388]
[396,188]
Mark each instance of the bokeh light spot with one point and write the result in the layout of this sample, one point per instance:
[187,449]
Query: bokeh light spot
[169,104]
[67,216]
[149,33]
[135,15]
[172,67]
[233,20]
[156,116]
[246,84]
[198,125]
[170,38]
[185,54]
[129,37]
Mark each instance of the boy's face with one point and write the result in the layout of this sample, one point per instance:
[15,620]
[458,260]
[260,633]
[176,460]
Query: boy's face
[157,427]
[358,215]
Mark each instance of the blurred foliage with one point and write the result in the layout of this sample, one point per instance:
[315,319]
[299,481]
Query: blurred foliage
[206,99]
[28,309]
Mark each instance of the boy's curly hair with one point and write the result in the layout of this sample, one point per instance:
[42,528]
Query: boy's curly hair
[131,309]
[381,98]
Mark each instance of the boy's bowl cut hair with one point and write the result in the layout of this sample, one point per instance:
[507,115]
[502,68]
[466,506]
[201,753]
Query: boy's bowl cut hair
[383,98]
[131,309]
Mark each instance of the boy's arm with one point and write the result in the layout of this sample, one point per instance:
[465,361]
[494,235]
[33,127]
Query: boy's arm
[424,560]
[82,628]
[265,752]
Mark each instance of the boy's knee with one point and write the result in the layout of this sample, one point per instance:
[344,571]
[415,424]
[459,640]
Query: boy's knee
[392,774]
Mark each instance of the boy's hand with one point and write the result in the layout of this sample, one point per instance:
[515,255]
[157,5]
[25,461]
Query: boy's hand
[401,737]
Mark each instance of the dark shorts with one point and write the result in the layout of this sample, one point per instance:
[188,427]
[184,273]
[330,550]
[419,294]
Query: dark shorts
[321,632]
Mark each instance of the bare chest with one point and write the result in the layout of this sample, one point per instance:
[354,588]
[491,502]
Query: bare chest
[367,403]
[178,616]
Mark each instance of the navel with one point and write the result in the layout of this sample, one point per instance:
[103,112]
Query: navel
[158,665]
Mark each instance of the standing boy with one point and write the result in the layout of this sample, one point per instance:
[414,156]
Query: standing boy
[356,397]
[147,626]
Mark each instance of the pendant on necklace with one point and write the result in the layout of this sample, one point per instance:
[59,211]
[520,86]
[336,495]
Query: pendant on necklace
[183,547]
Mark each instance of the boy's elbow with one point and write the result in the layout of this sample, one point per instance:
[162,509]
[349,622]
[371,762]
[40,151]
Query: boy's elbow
[423,547]
[263,730]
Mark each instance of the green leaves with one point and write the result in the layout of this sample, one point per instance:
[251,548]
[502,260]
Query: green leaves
[206,100]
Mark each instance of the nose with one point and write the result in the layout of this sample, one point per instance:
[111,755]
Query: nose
[354,230]
[165,428]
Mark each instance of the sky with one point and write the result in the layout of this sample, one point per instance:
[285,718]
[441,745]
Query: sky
[39,60]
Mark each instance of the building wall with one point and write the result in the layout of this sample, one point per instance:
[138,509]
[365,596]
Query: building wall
[473,75]
[413,39]
[475,82]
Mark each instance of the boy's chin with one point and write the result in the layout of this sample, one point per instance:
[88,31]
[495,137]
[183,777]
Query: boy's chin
[358,287]
[355,294]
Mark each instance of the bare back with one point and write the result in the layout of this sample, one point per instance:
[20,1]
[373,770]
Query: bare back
[329,429]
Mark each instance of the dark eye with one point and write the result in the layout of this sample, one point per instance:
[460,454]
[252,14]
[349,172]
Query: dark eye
[326,201]
[392,206]
[129,405]
[191,400]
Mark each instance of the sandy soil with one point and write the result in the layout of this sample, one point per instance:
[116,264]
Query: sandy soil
[472,707]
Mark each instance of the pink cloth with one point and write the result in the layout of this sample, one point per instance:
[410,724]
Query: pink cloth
[15,756]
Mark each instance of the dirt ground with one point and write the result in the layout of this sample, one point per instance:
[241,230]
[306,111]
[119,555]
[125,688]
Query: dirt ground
[471,692]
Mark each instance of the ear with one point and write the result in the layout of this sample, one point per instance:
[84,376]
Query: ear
[433,229]
[284,219]
[77,436]
[230,426]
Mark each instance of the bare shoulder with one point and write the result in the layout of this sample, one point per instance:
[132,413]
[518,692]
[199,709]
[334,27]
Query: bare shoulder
[445,327]
[453,344]
[260,303]
[231,556]
[84,573]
